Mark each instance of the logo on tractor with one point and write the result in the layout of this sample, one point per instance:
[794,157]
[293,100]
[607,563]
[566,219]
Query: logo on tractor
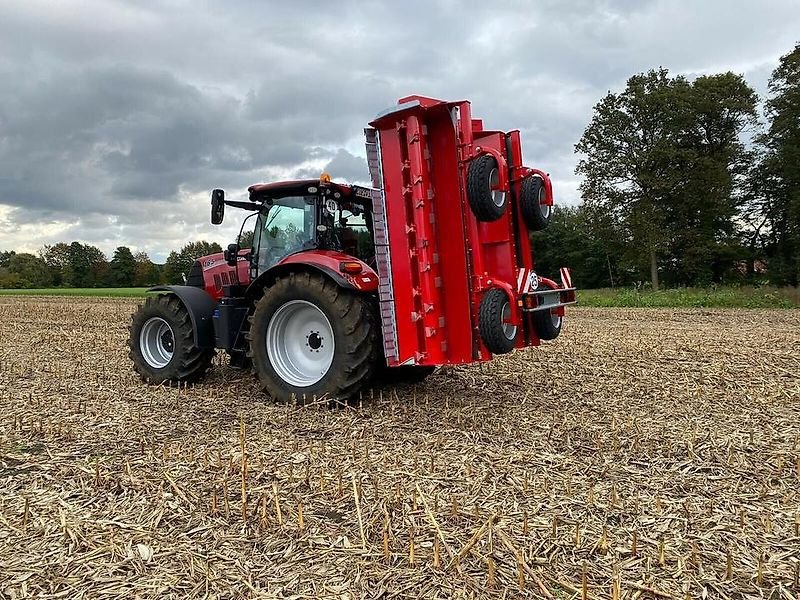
[533,281]
[362,192]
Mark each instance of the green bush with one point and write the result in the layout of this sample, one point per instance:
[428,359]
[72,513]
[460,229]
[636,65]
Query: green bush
[714,297]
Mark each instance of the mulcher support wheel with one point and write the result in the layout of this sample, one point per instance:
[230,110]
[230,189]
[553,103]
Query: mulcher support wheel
[497,333]
[309,338]
[161,343]
[532,195]
[547,324]
[486,202]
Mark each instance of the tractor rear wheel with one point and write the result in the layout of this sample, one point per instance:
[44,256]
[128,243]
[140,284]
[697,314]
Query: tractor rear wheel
[161,343]
[535,212]
[487,202]
[497,333]
[311,339]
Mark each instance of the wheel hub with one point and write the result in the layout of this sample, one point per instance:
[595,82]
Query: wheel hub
[157,342]
[300,343]
[509,330]
[167,341]
[543,207]
[314,341]
[498,196]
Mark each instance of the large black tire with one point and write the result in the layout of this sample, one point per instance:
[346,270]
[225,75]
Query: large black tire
[403,375]
[486,204]
[499,337]
[350,317]
[535,213]
[547,325]
[171,356]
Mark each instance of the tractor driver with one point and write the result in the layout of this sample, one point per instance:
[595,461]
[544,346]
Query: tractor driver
[347,237]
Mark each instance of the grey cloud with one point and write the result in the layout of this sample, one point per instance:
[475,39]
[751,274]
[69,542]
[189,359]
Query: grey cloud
[116,117]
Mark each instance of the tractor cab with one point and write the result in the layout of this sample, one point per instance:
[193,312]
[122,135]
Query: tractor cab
[311,215]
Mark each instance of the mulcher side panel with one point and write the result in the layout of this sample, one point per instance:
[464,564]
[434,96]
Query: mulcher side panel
[400,243]
[449,212]
[424,217]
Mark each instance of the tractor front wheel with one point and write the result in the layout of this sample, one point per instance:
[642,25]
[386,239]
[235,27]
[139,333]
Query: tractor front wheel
[311,339]
[161,343]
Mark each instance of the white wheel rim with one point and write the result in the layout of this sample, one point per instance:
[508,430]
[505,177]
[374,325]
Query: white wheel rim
[300,343]
[509,330]
[157,342]
[544,208]
[556,320]
[498,196]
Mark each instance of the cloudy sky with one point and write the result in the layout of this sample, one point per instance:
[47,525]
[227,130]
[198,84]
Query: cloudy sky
[117,118]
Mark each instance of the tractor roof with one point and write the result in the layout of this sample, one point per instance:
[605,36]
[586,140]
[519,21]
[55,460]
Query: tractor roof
[299,187]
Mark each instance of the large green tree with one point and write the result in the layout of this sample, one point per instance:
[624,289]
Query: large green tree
[633,161]
[583,240]
[146,272]
[123,267]
[179,263]
[57,258]
[5,257]
[172,269]
[87,266]
[664,160]
[23,270]
[780,171]
[703,218]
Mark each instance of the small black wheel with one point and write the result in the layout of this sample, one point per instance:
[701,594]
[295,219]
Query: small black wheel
[161,343]
[309,338]
[532,195]
[494,314]
[487,203]
[406,374]
[547,324]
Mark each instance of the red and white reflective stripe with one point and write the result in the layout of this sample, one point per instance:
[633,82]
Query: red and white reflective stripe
[566,277]
[522,281]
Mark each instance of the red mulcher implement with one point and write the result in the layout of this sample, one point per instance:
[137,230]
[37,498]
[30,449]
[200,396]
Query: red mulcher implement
[431,266]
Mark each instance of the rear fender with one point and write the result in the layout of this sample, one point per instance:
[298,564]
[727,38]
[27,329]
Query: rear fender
[200,307]
[325,262]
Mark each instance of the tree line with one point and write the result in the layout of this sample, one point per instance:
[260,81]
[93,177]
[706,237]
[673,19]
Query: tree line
[684,185]
[78,265]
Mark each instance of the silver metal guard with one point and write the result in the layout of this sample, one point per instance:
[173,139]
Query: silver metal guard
[382,254]
[548,298]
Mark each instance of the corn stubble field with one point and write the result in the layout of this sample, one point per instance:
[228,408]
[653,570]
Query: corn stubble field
[645,454]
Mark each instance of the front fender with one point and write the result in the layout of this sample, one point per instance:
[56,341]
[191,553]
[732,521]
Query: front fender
[200,307]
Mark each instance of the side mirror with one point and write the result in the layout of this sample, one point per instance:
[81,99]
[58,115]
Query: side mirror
[217,206]
[231,254]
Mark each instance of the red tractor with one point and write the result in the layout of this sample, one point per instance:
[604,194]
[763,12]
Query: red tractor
[430,266]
